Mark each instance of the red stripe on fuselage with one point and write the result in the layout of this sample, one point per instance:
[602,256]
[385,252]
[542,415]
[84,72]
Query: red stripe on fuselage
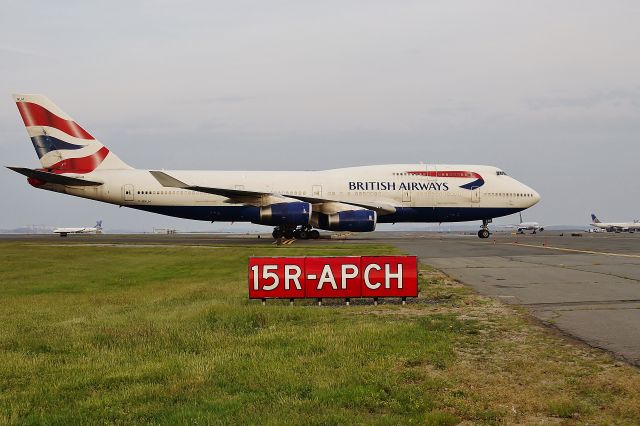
[35,115]
[447,173]
[79,165]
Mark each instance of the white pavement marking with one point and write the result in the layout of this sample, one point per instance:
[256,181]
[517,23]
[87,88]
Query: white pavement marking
[603,253]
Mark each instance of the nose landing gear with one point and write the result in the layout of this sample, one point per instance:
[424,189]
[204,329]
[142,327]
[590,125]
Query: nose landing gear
[304,232]
[484,231]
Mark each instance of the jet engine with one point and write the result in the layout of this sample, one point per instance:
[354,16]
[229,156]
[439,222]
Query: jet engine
[349,220]
[297,213]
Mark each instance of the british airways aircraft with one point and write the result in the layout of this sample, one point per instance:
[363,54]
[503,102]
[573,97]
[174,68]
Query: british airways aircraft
[293,202]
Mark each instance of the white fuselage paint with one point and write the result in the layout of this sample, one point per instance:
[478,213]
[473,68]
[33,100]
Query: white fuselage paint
[139,189]
[618,225]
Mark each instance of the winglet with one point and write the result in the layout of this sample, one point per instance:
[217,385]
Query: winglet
[168,181]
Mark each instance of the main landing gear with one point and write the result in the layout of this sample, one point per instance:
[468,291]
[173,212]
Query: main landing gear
[484,231]
[299,233]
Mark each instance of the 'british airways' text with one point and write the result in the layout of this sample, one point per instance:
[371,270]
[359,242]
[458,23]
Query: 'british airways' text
[400,186]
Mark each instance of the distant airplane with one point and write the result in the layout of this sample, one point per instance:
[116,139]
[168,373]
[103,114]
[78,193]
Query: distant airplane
[294,202]
[615,226]
[528,226]
[86,230]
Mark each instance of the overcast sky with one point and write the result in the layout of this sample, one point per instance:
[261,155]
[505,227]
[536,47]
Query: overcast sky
[547,90]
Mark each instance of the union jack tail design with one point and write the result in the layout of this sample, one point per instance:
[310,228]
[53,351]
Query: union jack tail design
[61,144]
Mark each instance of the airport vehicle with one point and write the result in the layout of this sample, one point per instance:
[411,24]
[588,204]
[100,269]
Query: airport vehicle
[528,226]
[295,203]
[615,226]
[595,230]
[85,230]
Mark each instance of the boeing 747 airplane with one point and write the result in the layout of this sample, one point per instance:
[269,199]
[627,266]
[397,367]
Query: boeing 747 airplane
[293,202]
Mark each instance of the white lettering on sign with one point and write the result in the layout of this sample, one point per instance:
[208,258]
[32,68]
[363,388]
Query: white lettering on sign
[327,277]
[292,276]
[333,277]
[367,282]
[388,275]
[348,275]
[266,274]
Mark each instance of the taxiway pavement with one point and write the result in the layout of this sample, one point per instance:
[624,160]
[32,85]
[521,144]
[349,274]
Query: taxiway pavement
[587,286]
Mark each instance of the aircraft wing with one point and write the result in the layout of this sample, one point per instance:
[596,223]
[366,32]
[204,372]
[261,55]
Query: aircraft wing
[53,178]
[263,198]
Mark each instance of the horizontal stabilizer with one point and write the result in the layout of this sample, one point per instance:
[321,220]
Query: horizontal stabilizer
[53,178]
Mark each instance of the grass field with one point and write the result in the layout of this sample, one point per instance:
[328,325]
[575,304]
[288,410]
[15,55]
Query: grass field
[167,335]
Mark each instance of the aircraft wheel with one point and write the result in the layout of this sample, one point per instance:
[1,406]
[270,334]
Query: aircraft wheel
[314,234]
[483,233]
[277,233]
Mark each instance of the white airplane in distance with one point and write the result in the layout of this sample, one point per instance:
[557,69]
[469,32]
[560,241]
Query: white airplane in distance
[85,230]
[615,226]
[528,226]
[293,202]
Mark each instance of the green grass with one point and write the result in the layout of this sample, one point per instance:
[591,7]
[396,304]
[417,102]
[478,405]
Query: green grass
[168,335]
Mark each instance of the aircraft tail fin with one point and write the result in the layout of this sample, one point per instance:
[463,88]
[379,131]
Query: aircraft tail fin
[594,218]
[61,144]
[520,217]
[99,225]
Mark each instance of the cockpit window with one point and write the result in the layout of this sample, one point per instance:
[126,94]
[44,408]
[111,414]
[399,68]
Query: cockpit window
[501,173]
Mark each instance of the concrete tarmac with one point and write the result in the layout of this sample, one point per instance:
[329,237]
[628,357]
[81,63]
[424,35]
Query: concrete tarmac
[587,286]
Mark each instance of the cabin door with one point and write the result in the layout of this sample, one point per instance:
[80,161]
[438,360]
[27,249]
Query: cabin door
[127,192]
[432,172]
[475,196]
[406,196]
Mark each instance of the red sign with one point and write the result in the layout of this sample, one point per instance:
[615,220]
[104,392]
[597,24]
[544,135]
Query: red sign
[333,277]
[329,277]
[389,276]
[276,277]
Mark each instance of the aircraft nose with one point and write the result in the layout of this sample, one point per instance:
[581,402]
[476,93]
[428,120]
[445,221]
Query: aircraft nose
[536,197]
[533,198]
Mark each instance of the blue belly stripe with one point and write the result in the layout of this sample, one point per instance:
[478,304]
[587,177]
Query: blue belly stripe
[402,214]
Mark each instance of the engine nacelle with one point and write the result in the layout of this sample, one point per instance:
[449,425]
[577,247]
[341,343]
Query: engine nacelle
[349,220]
[297,213]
